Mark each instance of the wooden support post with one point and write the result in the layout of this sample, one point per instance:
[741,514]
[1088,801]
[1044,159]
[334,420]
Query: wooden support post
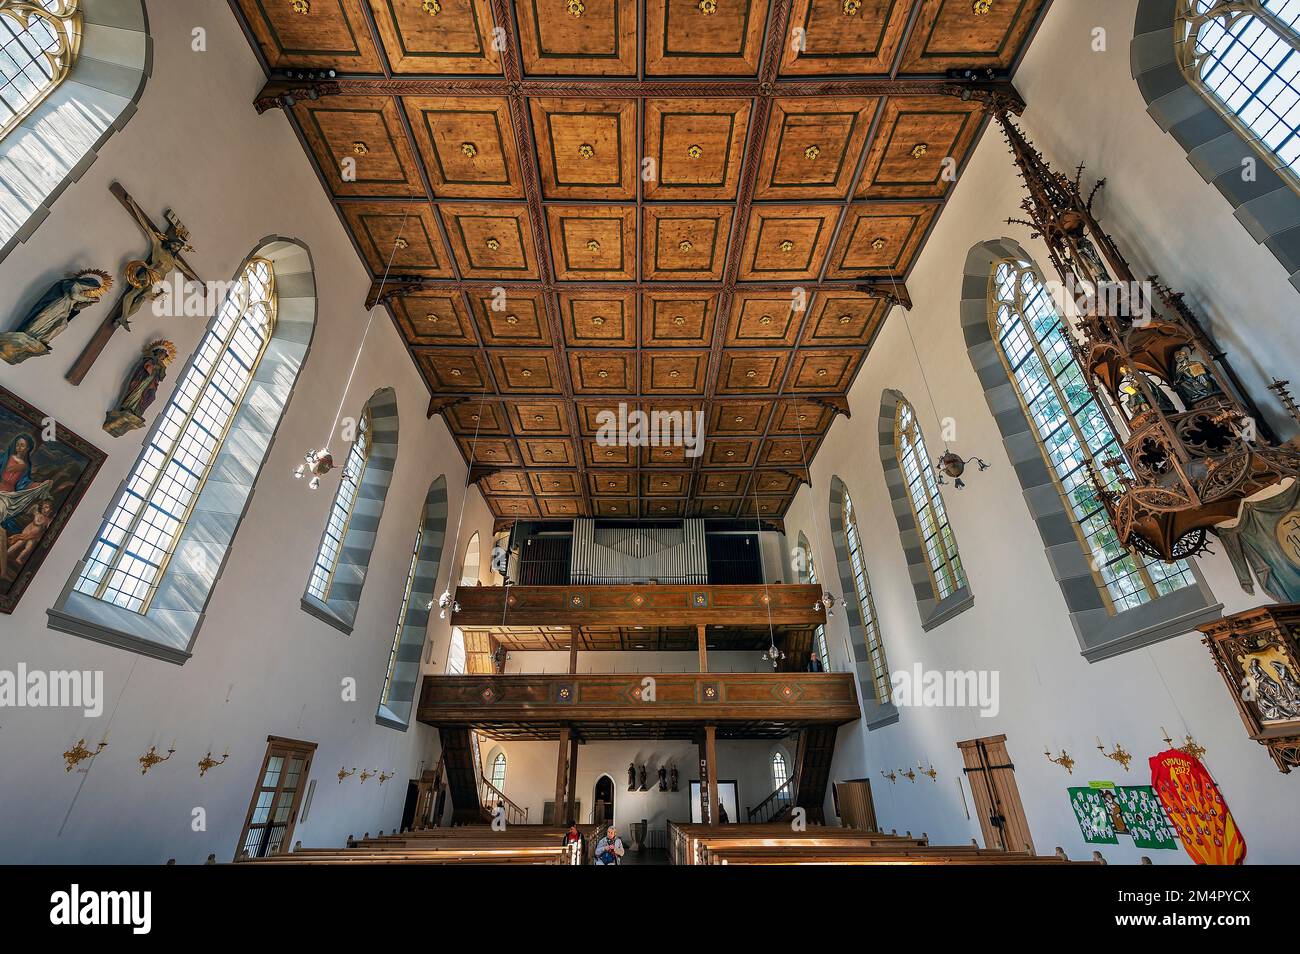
[573,650]
[711,749]
[706,807]
[702,631]
[561,774]
[573,778]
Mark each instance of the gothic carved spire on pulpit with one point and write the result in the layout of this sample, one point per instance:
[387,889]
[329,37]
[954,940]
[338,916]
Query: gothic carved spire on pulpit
[1194,443]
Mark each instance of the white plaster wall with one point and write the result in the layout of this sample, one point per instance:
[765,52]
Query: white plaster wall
[531,768]
[637,661]
[1083,106]
[261,665]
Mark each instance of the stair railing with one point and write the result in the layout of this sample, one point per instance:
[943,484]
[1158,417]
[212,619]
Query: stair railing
[776,803]
[490,798]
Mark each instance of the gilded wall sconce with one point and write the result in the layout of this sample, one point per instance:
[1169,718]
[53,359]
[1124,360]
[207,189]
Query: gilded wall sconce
[1064,760]
[384,777]
[1189,746]
[79,753]
[909,775]
[1119,755]
[892,776]
[344,773]
[929,773]
[152,758]
[365,775]
[208,762]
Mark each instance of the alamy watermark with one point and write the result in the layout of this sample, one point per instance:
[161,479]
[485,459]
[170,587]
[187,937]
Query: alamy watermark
[947,689]
[55,689]
[636,428]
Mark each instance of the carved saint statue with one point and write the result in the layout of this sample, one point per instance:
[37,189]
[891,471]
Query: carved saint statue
[49,316]
[663,779]
[642,778]
[1192,380]
[631,777]
[1135,401]
[141,388]
[672,779]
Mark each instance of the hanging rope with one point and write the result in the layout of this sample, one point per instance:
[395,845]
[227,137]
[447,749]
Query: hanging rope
[369,320]
[920,367]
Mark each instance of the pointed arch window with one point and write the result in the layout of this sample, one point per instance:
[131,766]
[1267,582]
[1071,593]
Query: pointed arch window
[39,44]
[136,542]
[780,774]
[150,571]
[1071,429]
[810,574]
[338,573]
[345,501]
[946,573]
[402,675]
[866,604]
[499,773]
[1243,57]
[469,572]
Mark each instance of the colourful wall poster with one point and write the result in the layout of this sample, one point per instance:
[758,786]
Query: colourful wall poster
[1145,818]
[1196,809]
[1094,817]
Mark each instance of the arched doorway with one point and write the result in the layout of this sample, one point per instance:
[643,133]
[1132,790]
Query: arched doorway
[603,801]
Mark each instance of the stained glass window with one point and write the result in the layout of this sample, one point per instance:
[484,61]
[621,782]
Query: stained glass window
[866,605]
[345,500]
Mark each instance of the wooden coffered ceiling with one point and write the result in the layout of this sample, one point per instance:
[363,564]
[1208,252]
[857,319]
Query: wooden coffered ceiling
[667,204]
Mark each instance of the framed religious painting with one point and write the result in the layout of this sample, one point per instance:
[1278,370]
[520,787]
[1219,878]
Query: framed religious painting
[1258,655]
[44,472]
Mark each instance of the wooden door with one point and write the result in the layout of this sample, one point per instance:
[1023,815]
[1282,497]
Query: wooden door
[992,779]
[273,810]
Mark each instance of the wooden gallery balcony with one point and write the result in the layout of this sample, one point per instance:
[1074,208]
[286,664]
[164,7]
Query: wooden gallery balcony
[744,705]
[639,604]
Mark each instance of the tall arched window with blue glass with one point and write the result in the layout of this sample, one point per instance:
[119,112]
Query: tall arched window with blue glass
[1243,56]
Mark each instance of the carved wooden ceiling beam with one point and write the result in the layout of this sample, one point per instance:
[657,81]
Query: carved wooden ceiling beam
[284,92]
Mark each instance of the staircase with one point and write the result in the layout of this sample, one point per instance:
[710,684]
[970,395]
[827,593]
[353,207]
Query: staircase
[463,773]
[813,758]
[474,799]
[806,787]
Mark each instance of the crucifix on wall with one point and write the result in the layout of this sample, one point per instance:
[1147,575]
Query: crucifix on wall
[166,250]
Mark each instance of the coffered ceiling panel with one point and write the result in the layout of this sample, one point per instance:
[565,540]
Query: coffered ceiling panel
[787,242]
[919,146]
[361,146]
[955,34]
[401,236]
[600,319]
[812,147]
[685,243]
[586,149]
[467,146]
[845,36]
[434,318]
[330,34]
[587,217]
[696,147]
[703,37]
[491,241]
[578,37]
[593,243]
[446,36]
[880,239]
